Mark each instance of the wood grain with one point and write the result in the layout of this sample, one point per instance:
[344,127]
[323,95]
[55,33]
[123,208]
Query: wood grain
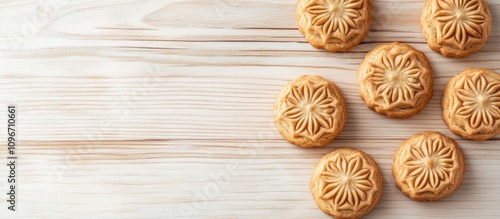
[163,109]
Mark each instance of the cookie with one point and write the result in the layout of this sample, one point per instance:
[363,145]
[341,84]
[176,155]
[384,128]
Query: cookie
[456,28]
[310,111]
[346,183]
[428,166]
[395,80]
[471,104]
[334,25]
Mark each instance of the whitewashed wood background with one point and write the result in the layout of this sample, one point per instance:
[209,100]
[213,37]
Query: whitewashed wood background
[163,109]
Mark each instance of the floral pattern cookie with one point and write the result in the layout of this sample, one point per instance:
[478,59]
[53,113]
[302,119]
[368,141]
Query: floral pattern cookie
[456,28]
[334,25]
[471,104]
[395,80]
[310,111]
[346,183]
[428,166]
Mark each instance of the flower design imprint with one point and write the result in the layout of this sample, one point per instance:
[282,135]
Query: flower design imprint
[460,20]
[429,165]
[334,15]
[480,100]
[310,109]
[396,77]
[346,182]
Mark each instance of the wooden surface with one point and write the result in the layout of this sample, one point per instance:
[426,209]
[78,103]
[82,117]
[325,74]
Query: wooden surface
[163,109]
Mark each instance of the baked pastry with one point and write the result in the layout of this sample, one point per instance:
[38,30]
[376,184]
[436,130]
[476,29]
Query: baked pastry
[395,80]
[334,25]
[346,183]
[456,28]
[310,111]
[471,104]
[428,166]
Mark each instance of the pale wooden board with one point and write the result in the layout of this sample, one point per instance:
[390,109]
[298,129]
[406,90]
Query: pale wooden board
[163,109]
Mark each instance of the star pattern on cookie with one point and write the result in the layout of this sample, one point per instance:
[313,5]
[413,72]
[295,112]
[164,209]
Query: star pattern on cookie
[479,101]
[310,109]
[429,165]
[346,181]
[459,20]
[396,78]
[333,16]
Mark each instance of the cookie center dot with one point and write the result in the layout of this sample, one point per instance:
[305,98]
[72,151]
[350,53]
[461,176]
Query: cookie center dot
[310,107]
[336,8]
[430,163]
[393,76]
[461,15]
[482,100]
[347,180]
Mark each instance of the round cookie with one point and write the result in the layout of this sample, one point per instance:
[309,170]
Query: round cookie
[395,80]
[471,104]
[334,25]
[456,28]
[310,111]
[428,166]
[346,183]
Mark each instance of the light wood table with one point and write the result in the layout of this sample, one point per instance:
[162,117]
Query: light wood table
[163,109]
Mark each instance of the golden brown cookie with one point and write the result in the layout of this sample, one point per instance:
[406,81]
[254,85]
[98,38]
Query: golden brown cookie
[346,183]
[456,28]
[471,104]
[428,166]
[310,111]
[395,80]
[334,25]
